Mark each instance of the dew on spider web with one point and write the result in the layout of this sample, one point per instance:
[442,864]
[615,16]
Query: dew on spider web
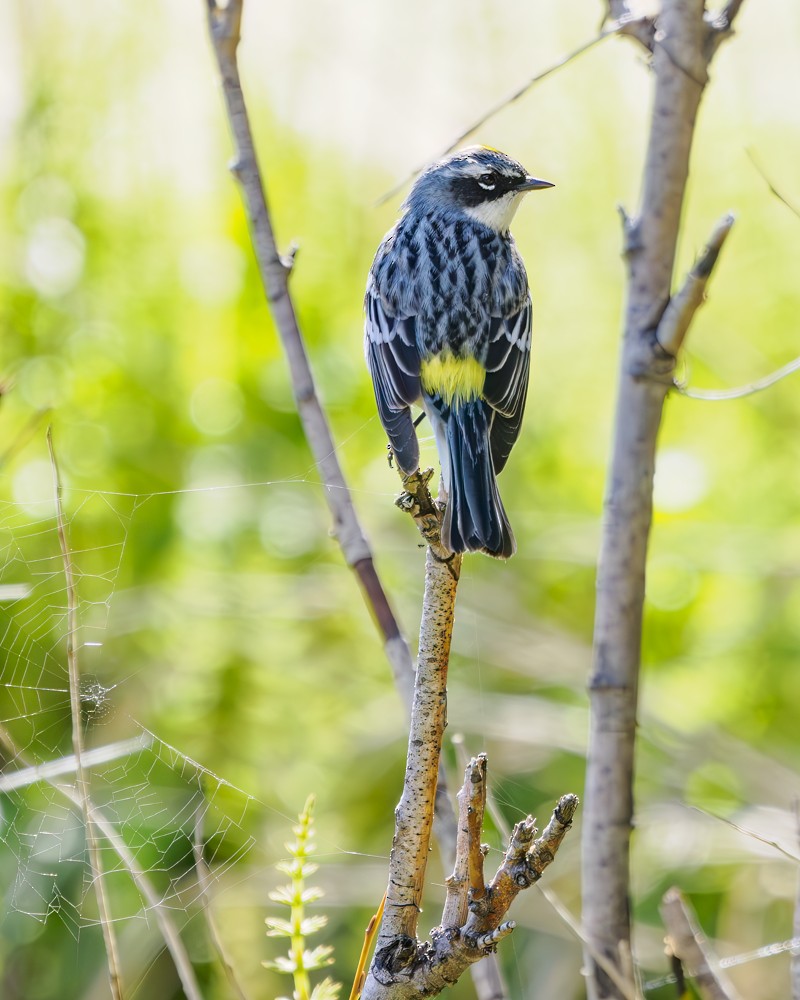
[150,793]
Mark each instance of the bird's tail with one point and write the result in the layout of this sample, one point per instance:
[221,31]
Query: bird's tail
[475,519]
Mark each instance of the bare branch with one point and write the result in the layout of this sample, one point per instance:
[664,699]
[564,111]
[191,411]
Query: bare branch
[684,304]
[76,714]
[410,970]
[739,392]
[687,941]
[497,108]
[626,990]
[224,27]
[680,64]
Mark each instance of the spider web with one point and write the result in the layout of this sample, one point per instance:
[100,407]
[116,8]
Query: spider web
[157,799]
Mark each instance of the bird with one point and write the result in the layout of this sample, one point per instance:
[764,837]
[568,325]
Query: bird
[448,327]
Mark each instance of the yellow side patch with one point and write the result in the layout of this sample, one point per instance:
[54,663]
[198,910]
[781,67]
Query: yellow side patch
[456,380]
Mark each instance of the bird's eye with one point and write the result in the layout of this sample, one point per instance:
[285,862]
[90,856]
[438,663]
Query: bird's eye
[487,181]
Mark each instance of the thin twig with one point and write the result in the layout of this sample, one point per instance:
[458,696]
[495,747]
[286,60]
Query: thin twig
[747,833]
[739,392]
[773,189]
[687,941]
[81,776]
[497,108]
[205,898]
[771,950]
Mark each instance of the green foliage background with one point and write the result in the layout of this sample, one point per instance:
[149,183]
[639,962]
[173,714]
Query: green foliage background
[131,312]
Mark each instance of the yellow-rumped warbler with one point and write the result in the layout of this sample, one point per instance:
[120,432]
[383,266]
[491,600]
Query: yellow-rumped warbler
[448,325]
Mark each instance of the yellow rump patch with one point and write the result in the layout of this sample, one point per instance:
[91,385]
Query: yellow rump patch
[456,380]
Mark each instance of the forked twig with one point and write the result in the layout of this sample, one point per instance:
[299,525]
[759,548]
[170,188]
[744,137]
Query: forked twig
[81,777]
[627,990]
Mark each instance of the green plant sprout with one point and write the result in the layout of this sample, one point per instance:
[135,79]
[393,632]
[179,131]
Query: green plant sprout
[300,962]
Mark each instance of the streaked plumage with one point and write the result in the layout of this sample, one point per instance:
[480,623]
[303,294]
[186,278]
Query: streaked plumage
[448,325]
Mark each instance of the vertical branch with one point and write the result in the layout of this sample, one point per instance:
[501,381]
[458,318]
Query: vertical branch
[684,44]
[81,778]
[468,864]
[414,813]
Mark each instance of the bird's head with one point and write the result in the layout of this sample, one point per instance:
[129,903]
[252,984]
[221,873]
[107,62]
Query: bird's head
[482,183]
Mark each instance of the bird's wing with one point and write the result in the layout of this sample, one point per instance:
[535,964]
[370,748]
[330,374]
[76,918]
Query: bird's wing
[393,361]
[506,385]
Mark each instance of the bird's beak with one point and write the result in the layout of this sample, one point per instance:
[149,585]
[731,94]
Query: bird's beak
[533,184]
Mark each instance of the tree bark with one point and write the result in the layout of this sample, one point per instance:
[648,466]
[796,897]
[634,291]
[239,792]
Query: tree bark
[684,42]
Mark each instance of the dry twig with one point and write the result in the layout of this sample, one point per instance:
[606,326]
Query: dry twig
[81,777]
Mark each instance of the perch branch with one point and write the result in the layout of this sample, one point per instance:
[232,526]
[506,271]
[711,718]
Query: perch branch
[685,45]
[76,714]
[427,513]
[686,941]
[225,29]
[407,969]
[414,813]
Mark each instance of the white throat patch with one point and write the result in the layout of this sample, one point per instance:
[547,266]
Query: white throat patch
[497,214]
